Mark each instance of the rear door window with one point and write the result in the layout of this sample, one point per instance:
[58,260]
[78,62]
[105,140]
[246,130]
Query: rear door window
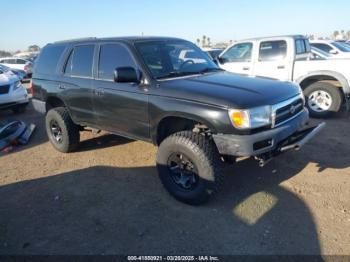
[80,61]
[272,50]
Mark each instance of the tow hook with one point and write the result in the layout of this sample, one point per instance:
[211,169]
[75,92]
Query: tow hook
[263,160]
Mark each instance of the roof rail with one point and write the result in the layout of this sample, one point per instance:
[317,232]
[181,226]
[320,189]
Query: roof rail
[75,39]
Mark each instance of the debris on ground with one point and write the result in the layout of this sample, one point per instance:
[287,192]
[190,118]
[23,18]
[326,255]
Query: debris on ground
[14,133]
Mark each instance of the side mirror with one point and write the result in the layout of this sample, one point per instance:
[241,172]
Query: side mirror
[126,75]
[333,52]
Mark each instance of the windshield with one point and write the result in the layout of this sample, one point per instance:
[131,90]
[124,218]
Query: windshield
[342,47]
[172,58]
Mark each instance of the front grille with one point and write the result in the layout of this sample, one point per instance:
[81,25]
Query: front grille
[288,110]
[4,89]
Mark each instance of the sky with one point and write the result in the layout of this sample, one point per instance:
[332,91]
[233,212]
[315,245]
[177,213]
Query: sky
[44,21]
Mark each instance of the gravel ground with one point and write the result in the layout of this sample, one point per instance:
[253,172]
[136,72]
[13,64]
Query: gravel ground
[107,199]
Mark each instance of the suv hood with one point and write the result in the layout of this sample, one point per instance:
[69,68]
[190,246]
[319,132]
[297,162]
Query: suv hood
[229,90]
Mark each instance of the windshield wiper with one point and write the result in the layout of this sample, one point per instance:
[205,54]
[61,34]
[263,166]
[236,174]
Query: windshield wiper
[210,69]
[176,74]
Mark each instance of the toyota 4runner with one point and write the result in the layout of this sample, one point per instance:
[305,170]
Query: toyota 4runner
[197,114]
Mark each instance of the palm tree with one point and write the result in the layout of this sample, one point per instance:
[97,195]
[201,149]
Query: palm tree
[208,40]
[204,40]
[198,42]
[335,33]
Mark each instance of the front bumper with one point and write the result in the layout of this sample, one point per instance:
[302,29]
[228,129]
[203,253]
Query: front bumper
[292,134]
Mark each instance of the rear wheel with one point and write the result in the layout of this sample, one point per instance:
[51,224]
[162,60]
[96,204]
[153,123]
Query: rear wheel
[189,167]
[62,132]
[323,99]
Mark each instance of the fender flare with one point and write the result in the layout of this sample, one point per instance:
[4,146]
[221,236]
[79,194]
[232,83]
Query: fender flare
[342,80]
[183,115]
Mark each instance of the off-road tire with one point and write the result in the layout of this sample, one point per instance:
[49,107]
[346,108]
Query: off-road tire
[201,150]
[70,131]
[333,91]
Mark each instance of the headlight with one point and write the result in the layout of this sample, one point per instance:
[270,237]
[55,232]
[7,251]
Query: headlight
[250,118]
[301,93]
[17,85]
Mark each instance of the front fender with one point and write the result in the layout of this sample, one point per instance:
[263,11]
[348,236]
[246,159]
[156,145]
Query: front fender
[214,117]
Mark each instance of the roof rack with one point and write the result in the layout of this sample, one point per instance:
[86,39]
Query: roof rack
[75,40]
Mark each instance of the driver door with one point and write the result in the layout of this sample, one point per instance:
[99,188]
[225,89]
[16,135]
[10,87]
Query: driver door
[120,108]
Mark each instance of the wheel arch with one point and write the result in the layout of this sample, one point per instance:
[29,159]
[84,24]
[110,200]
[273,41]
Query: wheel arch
[54,101]
[175,122]
[316,76]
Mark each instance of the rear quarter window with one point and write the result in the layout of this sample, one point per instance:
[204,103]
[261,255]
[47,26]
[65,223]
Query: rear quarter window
[48,59]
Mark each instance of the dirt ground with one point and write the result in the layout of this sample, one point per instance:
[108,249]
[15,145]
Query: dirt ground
[107,199]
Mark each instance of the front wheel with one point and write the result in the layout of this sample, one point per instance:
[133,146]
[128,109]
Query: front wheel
[189,167]
[323,99]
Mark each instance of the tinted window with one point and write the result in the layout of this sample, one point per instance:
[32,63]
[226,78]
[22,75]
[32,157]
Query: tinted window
[166,58]
[323,47]
[272,50]
[111,57]
[80,61]
[9,61]
[190,54]
[48,59]
[300,46]
[21,62]
[341,46]
[239,53]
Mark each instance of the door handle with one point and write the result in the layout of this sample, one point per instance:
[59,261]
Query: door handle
[98,92]
[60,86]
[246,68]
[280,67]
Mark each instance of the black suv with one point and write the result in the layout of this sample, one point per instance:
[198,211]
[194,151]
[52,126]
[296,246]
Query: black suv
[168,92]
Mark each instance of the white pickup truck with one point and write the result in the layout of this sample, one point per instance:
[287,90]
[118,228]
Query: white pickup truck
[326,83]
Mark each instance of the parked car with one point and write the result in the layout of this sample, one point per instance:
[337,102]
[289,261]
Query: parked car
[317,54]
[332,47]
[12,93]
[213,52]
[21,74]
[194,111]
[18,63]
[326,83]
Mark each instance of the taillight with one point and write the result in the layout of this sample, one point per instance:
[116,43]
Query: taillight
[26,67]
[30,89]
